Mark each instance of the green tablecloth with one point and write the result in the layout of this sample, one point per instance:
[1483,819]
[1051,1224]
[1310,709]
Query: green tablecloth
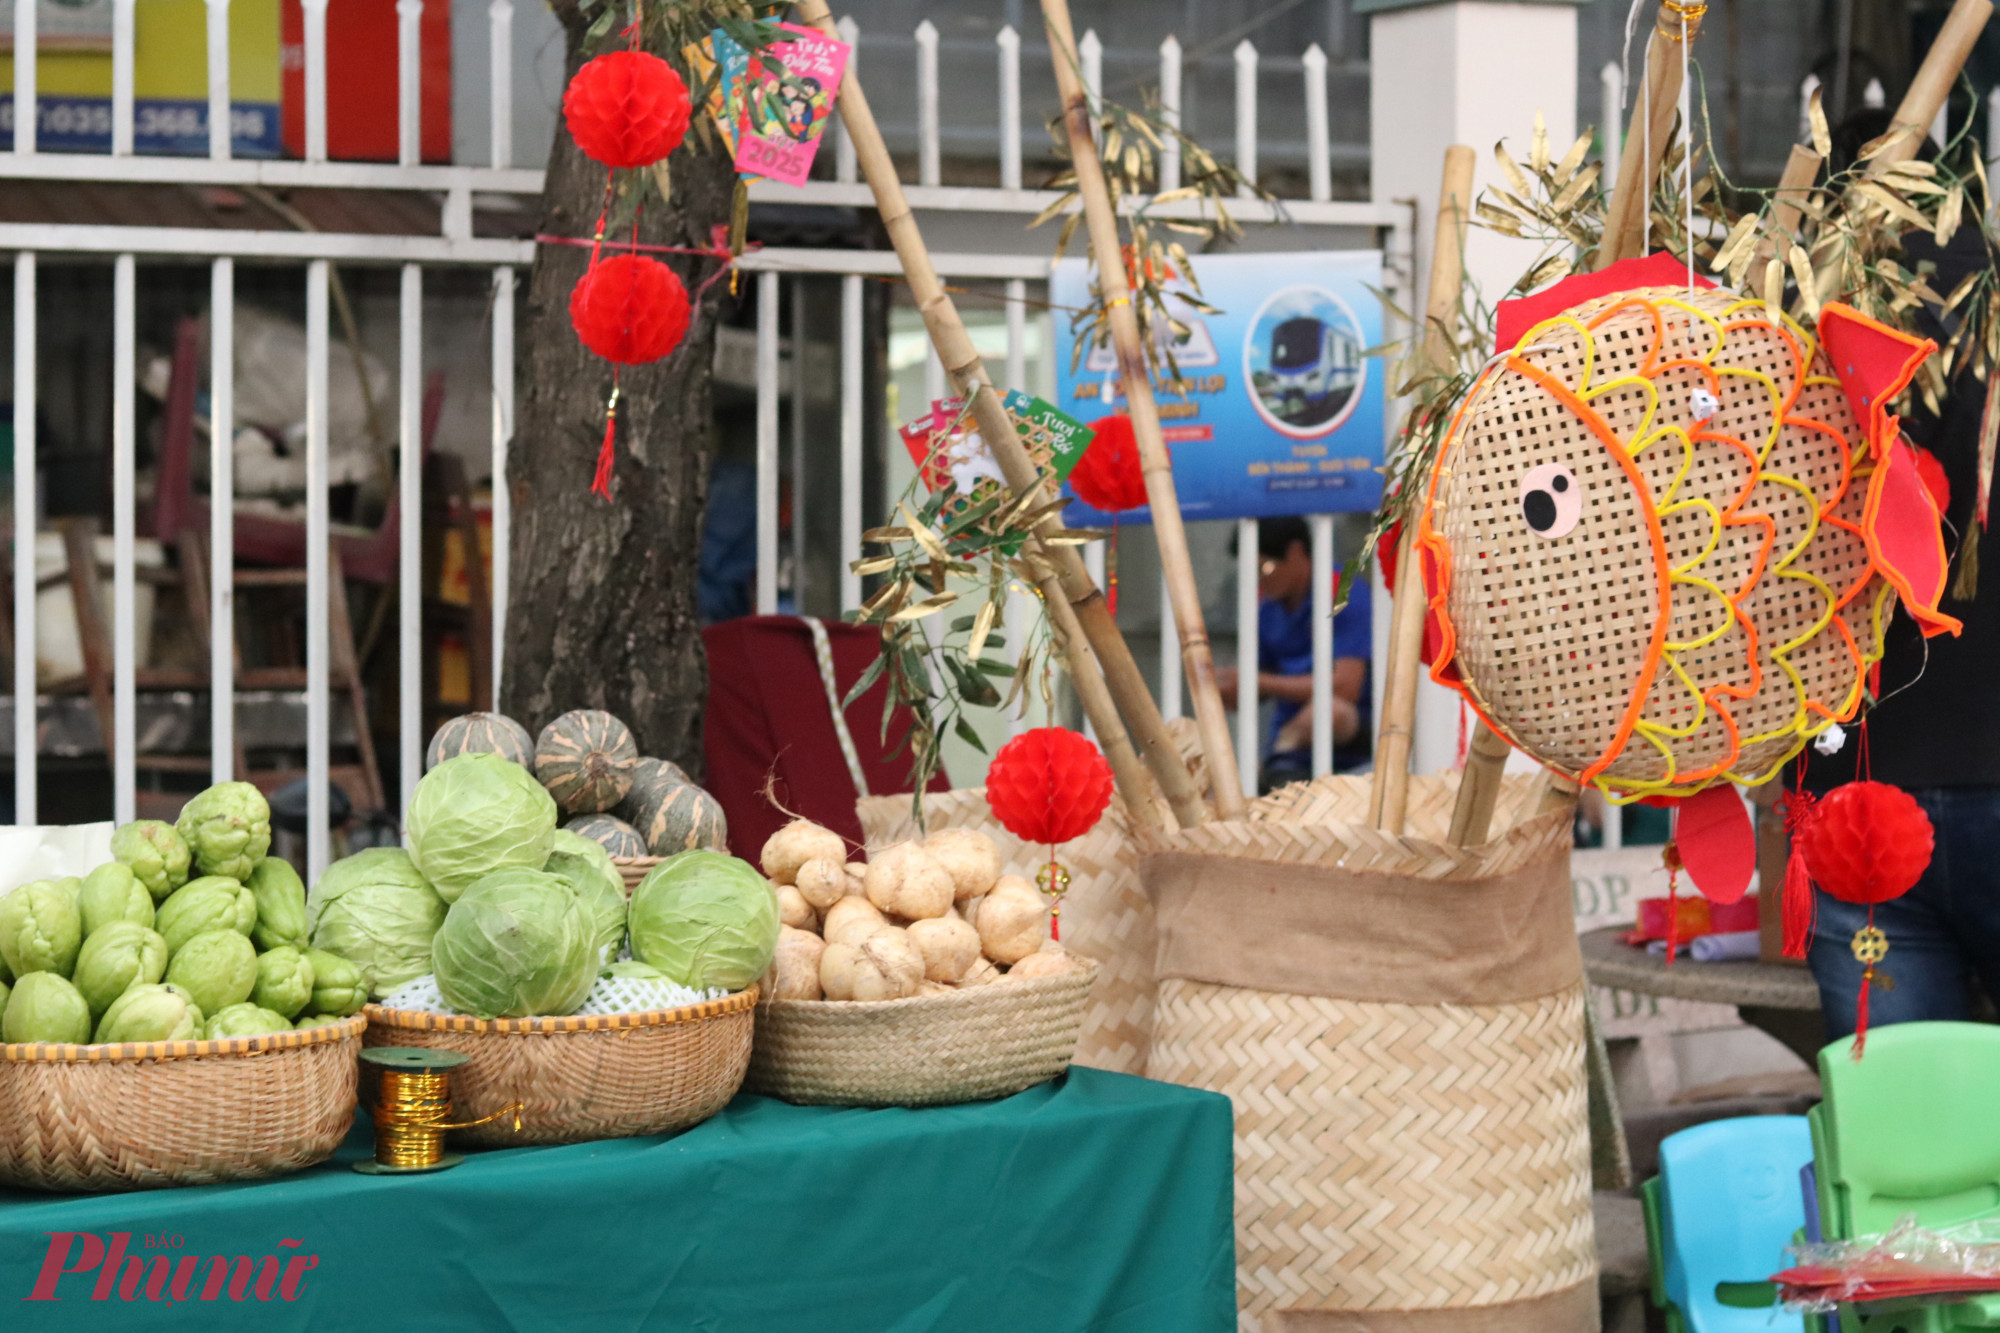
[1096,1202]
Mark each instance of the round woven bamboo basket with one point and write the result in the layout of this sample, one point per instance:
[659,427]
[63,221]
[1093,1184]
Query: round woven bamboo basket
[598,1076]
[142,1115]
[930,1050]
[1399,1024]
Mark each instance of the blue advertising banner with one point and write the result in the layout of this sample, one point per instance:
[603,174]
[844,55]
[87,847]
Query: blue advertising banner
[1275,410]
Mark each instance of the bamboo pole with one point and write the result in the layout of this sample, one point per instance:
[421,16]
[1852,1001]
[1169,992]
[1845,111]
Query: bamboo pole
[1125,693]
[1934,80]
[1389,792]
[1638,169]
[1101,216]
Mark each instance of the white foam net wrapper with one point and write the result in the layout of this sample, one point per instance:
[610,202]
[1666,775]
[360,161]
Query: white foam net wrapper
[608,995]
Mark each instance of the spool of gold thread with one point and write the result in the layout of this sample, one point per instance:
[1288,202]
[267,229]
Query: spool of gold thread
[413,1110]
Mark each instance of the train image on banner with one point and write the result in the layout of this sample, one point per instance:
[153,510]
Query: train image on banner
[1313,368]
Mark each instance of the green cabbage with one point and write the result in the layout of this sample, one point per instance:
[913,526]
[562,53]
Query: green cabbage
[115,958]
[586,867]
[281,904]
[213,902]
[217,968]
[156,852]
[157,1012]
[516,944]
[40,929]
[113,893]
[377,911]
[705,919]
[227,829]
[284,981]
[45,1007]
[474,814]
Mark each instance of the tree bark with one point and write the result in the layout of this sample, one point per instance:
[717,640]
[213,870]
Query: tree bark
[601,609]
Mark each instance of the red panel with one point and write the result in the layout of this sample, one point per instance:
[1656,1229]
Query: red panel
[361,81]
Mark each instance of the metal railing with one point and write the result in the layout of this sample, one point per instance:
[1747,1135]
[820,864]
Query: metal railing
[131,249]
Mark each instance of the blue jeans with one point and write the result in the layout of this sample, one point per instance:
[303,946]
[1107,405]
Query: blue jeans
[1942,933]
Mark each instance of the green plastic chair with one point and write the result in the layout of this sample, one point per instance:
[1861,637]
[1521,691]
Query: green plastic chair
[1912,1128]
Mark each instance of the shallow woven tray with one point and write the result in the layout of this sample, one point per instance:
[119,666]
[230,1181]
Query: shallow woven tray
[142,1115]
[600,1076]
[929,1050]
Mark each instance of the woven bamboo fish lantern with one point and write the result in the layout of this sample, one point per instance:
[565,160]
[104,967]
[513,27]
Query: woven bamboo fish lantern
[1666,531]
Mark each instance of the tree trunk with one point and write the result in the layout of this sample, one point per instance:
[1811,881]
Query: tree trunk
[601,608]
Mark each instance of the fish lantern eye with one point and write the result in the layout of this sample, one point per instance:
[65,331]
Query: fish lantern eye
[1551,500]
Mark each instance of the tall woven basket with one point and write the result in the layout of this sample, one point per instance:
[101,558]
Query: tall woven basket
[599,1076]
[1399,1024]
[142,1115]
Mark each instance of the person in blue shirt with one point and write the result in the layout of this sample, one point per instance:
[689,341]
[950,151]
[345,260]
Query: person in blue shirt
[1284,657]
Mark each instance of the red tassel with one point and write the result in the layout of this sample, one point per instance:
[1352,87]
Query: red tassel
[1797,905]
[1055,923]
[1861,1011]
[1673,908]
[607,454]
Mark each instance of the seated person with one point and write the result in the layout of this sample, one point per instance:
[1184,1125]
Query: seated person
[1284,657]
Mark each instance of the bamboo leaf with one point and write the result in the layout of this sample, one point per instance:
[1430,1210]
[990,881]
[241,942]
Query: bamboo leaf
[886,535]
[1061,203]
[925,537]
[1538,147]
[930,606]
[1573,158]
[963,729]
[868,679]
[982,626]
[1891,204]
[1948,215]
[1513,172]
[874,565]
[1739,241]
[1822,137]
[1574,190]
[1874,148]
[1964,288]
[1802,274]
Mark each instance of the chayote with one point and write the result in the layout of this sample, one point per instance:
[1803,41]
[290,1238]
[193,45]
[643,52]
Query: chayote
[337,985]
[158,1012]
[227,829]
[157,853]
[284,981]
[5,991]
[281,904]
[72,886]
[244,1020]
[40,929]
[317,1020]
[113,893]
[116,958]
[44,1007]
[212,902]
[217,968]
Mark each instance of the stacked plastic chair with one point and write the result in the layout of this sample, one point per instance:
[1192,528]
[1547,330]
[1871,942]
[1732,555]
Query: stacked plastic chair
[1911,1130]
[1719,1215]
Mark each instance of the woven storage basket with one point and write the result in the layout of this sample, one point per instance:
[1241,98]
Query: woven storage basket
[929,1050]
[600,1076]
[147,1114]
[1399,1024]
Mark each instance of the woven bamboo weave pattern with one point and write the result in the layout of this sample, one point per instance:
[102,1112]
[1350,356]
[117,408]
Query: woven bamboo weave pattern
[1344,800]
[929,1050]
[1707,603]
[1392,1156]
[598,1077]
[1105,914]
[146,1115]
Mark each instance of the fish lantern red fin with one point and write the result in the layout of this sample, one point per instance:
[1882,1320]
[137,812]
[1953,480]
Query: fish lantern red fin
[1874,364]
[1717,843]
[1906,540]
[1514,318]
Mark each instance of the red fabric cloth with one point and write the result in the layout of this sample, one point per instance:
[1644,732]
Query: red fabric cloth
[1514,318]
[768,716]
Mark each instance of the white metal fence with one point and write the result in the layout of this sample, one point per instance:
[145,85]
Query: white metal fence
[131,249]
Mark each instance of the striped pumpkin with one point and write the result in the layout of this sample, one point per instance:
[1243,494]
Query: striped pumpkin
[585,758]
[481,733]
[614,835]
[679,817]
[652,779]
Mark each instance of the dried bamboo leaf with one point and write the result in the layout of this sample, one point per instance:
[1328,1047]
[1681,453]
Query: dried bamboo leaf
[923,535]
[1960,292]
[1062,202]
[880,564]
[886,535]
[1563,202]
[930,606]
[1948,215]
[1514,176]
[1739,241]
[1891,204]
[1874,148]
[1802,274]
[1573,158]
[981,627]
[1822,137]
[1538,146]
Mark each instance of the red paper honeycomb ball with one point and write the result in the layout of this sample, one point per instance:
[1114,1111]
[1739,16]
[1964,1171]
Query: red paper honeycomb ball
[629,309]
[1866,842]
[1048,785]
[626,109]
[1107,477]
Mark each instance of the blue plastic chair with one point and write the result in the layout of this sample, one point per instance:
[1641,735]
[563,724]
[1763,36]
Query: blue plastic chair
[1729,1204]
